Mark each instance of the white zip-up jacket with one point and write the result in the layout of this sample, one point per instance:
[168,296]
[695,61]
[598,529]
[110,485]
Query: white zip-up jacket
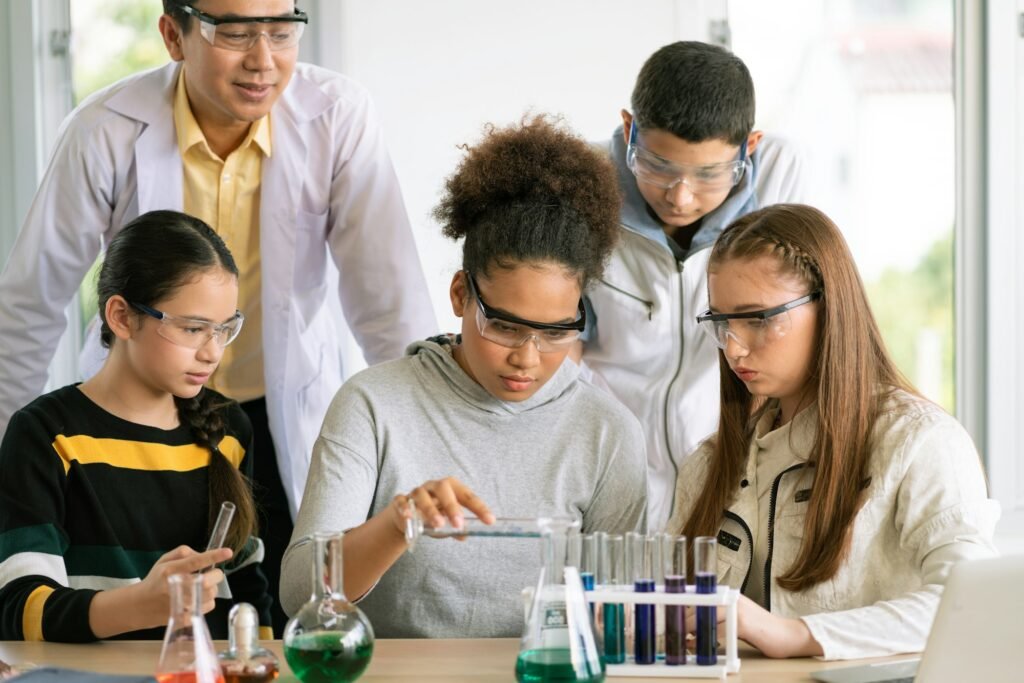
[927,508]
[644,343]
[330,203]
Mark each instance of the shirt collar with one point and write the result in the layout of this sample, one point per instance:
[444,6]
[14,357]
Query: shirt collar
[190,134]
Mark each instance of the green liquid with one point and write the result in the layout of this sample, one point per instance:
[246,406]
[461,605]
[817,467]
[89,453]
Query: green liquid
[321,658]
[552,666]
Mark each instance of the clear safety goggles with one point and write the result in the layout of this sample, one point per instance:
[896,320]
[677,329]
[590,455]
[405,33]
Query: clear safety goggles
[508,330]
[753,329]
[191,333]
[654,170]
[240,33]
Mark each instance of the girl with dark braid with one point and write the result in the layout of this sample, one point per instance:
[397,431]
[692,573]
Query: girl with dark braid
[494,420]
[108,487]
[839,496]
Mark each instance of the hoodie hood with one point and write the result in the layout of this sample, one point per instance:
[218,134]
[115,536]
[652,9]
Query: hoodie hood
[635,215]
[434,355]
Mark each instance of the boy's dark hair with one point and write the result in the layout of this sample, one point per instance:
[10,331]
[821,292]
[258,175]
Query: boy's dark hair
[532,192]
[146,261]
[696,92]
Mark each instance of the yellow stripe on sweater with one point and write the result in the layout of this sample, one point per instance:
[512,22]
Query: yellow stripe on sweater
[32,614]
[141,455]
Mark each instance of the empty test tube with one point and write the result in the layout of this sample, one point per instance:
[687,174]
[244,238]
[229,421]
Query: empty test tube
[674,560]
[221,526]
[705,566]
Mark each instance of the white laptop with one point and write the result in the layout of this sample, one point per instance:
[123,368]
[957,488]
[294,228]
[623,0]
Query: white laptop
[978,634]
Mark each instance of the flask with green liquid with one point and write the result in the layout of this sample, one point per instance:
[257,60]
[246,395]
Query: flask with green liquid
[329,638]
[559,643]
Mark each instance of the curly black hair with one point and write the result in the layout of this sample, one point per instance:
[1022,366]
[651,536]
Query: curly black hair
[532,192]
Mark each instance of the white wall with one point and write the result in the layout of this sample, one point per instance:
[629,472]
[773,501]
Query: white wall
[439,70]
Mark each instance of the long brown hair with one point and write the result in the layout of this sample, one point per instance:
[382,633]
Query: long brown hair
[146,261]
[851,373]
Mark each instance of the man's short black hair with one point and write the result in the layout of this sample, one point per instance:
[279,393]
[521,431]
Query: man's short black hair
[696,92]
[173,9]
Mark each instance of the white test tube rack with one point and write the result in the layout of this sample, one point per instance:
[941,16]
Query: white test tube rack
[726,597]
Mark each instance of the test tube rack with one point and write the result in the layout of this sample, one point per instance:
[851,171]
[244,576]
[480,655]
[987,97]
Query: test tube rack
[724,597]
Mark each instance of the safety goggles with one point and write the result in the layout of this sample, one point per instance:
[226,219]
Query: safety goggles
[508,330]
[753,329]
[240,33]
[654,170]
[192,333]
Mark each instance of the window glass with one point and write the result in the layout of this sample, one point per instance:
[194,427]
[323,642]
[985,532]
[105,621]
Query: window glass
[865,88]
[110,39]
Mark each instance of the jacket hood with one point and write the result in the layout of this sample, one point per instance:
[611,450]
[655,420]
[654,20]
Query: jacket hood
[636,217]
[435,355]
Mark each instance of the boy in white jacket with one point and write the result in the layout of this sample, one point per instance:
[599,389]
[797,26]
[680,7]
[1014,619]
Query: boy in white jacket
[839,496]
[688,162]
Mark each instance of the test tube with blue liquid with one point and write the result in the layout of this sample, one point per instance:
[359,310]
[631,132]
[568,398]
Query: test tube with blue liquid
[611,573]
[644,560]
[588,563]
[705,561]
[674,558]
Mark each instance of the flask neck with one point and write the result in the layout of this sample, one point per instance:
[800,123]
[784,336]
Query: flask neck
[553,549]
[186,597]
[328,568]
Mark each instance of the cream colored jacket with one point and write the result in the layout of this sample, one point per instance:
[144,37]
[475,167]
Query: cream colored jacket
[928,508]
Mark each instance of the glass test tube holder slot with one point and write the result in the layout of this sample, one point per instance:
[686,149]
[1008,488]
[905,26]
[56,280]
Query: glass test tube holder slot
[725,597]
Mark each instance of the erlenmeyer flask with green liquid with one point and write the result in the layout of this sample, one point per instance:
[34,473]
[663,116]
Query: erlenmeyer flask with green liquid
[559,643]
[329,638]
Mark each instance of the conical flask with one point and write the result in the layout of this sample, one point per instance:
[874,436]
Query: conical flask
[187,655]
[329,638]
[559,643]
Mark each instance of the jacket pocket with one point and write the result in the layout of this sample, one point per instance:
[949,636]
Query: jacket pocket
[630,299]
[310,249]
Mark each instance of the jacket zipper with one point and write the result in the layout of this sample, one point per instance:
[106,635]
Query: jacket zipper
[648,304]
[668,392]
[750,544]
[771,535]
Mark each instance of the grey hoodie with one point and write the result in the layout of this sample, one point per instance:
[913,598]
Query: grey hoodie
[567,450]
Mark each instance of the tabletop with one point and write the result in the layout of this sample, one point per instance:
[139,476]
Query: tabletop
[453,661]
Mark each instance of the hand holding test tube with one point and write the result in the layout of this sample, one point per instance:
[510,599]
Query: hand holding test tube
[221,526]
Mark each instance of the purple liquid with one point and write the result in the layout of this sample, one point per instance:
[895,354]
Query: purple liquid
[675,623]
[645,641]
[707,621]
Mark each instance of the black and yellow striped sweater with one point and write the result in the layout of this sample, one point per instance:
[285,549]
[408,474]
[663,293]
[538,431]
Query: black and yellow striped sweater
[89,502]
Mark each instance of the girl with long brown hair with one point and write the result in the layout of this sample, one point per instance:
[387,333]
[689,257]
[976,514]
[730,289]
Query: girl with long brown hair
[839,496]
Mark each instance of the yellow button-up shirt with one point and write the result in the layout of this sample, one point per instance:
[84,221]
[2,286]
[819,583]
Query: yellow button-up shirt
[226,194]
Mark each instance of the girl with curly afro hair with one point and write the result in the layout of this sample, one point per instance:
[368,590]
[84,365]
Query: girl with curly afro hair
[491,421]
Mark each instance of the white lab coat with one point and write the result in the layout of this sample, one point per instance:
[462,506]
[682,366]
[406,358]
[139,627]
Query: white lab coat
[328,188]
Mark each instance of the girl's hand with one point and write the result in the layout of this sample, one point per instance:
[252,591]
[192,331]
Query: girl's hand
[153,594]
[436,500]
[773,635]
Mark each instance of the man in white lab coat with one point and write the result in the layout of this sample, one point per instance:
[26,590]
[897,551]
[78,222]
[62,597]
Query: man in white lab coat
[286,161]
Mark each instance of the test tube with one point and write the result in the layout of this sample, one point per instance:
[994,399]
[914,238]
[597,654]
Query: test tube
[612,574]
[644,558]
[705,566]
[221,526]
[674,560]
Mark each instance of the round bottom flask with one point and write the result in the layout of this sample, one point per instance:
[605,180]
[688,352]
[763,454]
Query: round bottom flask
[329,638]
